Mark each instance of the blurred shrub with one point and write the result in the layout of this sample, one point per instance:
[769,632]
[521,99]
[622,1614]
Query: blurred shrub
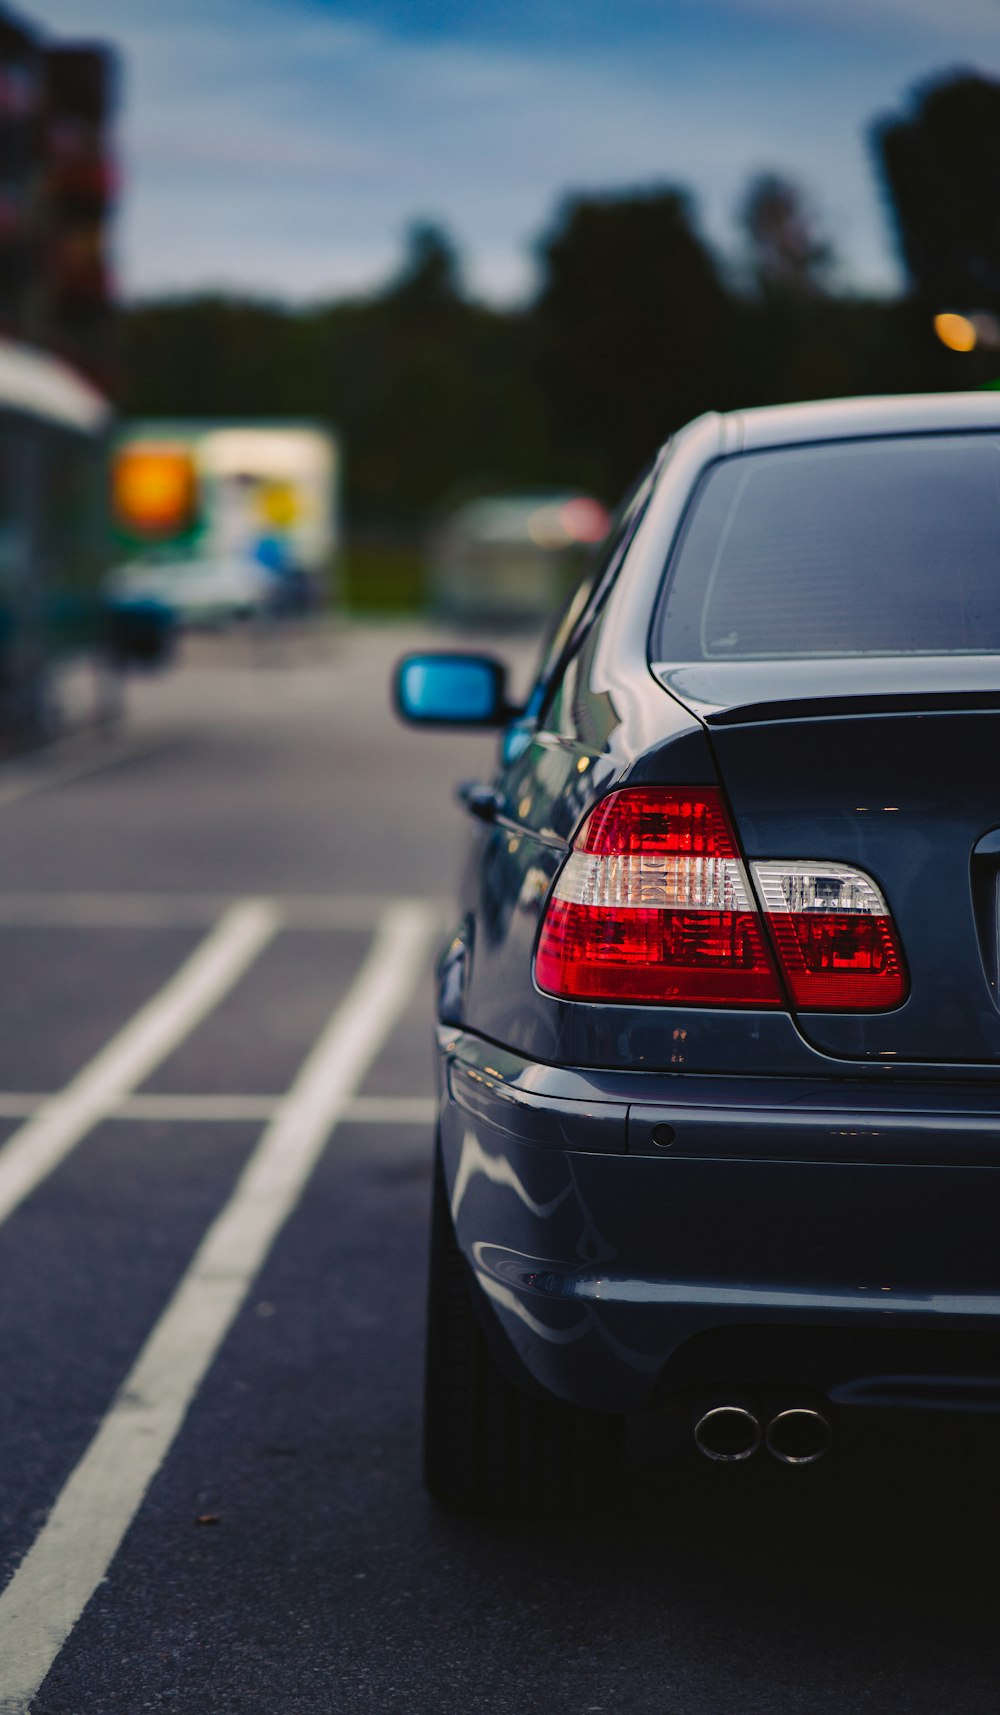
[380,577]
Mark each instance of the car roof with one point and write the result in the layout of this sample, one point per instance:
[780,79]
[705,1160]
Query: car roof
[844,419]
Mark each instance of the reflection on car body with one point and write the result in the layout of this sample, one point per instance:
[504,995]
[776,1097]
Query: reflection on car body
[719,1030]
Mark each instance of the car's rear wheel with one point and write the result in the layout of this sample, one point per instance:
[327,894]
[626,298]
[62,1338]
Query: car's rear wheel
[489,1445]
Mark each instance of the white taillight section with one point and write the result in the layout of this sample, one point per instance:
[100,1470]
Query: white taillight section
[653,904]
[817,887]
[653,881]
[834,936]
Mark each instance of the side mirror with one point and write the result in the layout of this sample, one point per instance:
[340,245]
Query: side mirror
[452,690]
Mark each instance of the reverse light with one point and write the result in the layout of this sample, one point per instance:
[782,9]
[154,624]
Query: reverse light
[834,936]
[653,905]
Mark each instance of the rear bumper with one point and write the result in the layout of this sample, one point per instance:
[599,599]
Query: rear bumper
[636,1233]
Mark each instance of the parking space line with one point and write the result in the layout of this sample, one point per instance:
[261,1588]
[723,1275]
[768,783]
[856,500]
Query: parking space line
[207,1109]
[111,910]
[71,1556]
[363,1110]
[190,910]
[62,765]
[15,1106]
[38,1146]
[391,1110]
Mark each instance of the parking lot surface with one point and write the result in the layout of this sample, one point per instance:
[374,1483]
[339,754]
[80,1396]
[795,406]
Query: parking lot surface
[215,1141]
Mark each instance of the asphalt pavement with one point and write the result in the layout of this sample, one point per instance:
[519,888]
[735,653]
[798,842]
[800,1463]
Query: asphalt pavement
[215,1130]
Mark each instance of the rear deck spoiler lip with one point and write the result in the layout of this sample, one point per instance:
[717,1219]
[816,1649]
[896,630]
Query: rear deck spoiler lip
[846,707]
[702,689]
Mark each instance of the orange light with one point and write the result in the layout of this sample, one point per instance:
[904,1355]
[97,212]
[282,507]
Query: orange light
[958,333]
[153,487]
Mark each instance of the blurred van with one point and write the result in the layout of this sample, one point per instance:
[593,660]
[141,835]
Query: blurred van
[226,520]
[510,558]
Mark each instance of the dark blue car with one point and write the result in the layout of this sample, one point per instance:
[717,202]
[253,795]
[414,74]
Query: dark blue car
[719,1024]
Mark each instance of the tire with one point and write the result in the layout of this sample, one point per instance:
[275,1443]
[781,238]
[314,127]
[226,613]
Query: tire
[490,1446]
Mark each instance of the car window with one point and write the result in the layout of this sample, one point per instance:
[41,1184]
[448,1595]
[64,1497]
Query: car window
[878,547]
[587,599]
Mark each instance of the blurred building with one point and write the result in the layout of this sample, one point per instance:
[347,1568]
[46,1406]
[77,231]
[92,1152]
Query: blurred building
[61,640]
[57,188]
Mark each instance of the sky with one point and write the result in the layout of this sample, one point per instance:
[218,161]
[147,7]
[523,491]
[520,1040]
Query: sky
[284,147]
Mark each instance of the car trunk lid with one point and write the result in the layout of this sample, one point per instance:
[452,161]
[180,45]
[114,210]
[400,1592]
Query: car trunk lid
[891,765]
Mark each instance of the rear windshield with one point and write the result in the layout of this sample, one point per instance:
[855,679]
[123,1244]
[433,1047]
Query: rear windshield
[880,547]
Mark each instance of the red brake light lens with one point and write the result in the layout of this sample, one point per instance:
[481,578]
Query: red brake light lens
[835,938]
[658,820]
[652,905]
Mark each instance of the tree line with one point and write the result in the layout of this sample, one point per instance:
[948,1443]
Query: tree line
[636,326]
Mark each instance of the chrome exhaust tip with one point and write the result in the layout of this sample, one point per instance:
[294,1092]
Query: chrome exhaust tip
[727,1433]
[798,1436]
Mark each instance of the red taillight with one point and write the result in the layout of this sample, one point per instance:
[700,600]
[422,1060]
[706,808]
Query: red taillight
[653,906]
[835,939]
[655,820]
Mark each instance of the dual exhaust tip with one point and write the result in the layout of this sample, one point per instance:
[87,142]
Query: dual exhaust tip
[728,1434]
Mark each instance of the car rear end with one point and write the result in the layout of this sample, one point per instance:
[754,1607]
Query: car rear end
[721,1083]
[719,1028]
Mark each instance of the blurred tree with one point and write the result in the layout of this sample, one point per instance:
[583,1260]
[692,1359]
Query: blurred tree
[430,274]
[793,334]
[788,254]
[432,390]
[206,356]
[941,168]
[429,391]
[633,331]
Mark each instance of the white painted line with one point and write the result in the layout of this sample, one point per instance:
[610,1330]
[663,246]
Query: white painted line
[206,1110]
[209,1108]
[15,1106]
[199,1110]
[342,911]
[46,771]
[191,910]
[212,969]
[110,910]
[391,1110]
[70,1557]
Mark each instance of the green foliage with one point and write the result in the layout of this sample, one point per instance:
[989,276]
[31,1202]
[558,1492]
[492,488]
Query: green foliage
[430,390]
[380,577]
[789,255]
[207,356]
[941,167]
[632,331]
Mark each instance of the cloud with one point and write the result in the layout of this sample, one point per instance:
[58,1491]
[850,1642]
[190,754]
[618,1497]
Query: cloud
[975,22]
[286,147]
